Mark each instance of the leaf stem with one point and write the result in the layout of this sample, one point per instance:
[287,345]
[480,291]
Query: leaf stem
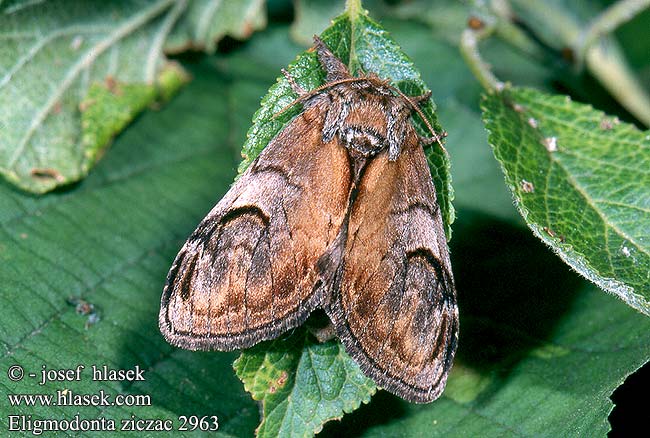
[353,8]
[614,73]
[469,49]
[605,60]
[509,32]
[611,18]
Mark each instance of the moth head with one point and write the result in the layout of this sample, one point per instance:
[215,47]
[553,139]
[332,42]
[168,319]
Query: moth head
[368,118]
[368,113]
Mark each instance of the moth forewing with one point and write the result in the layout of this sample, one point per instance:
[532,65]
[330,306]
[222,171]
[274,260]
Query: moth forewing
[338,212]
[246,273]
[396,312]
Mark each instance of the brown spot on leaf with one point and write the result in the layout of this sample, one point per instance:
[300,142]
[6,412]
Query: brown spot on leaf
[112,85]
[549,232]
[85,104]
[607,124]
[85,308]
[82,307]
[282,379]
[519,108]
[527,186]
[46,173]
[56,109]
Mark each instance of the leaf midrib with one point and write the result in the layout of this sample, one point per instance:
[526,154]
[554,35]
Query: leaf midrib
[23,60]
[589,201]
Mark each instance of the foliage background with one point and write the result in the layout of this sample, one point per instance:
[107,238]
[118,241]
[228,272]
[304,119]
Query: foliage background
[541,348]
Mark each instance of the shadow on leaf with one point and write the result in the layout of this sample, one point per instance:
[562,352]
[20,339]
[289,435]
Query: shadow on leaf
[199,383]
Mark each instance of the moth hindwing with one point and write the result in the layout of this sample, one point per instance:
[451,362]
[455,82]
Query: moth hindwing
[338,212]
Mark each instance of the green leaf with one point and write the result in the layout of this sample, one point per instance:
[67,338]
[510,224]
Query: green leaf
[110,241]
[208,21]
[302,384]
[580,180]
[55,57]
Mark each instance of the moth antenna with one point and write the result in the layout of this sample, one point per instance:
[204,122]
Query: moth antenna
[325,86]
[414,104]
[422,97]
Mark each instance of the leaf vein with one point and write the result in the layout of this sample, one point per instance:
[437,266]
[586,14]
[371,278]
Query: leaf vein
[128,27]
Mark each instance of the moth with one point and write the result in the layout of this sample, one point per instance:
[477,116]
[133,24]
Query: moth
[338,213]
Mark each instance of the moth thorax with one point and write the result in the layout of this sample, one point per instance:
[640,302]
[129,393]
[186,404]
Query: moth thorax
[364,140]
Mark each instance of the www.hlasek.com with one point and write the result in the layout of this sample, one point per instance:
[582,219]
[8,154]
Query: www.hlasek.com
[67,397]
[37,424]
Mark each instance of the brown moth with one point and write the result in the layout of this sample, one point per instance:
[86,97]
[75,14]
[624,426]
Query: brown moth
[338,212]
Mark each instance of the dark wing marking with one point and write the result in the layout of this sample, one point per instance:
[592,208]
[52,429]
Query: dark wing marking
[394,303]
[247,273]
